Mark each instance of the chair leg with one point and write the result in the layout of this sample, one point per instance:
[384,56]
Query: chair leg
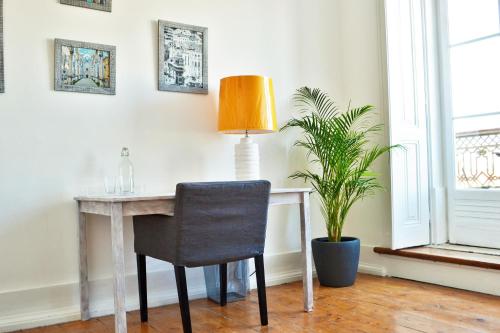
[223,284]
[143,290]
[261,288]
[180,278]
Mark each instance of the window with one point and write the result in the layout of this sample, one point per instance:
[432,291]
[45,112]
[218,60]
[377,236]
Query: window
[470,59]
[474,64]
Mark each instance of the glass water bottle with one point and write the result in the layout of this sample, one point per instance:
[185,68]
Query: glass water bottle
[126,173]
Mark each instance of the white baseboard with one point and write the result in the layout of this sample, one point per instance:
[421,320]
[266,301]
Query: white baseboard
[372,269]
[58,304]
[40,318]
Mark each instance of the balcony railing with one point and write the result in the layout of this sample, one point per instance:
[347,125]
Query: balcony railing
[477,157]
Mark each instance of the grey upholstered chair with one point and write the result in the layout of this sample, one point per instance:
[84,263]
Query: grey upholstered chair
[213,223]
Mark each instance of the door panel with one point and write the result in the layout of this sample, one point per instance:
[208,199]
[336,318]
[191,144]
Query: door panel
[406,69]
[475,218]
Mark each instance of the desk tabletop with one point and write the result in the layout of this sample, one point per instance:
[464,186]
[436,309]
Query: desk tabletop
[163,196]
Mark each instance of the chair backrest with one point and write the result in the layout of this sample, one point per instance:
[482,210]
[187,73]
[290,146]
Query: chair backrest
[220,221]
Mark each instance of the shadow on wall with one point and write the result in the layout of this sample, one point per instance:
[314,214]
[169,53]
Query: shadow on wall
[43,235]
[50,68]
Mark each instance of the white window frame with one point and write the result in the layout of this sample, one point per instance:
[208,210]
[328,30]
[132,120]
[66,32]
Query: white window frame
[436,122]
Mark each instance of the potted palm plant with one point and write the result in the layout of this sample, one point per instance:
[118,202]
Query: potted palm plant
[338,147]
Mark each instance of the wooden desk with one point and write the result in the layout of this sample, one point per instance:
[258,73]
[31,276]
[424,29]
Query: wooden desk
[119,206]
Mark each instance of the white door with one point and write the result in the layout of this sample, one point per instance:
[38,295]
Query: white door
[405,35]
[470,45]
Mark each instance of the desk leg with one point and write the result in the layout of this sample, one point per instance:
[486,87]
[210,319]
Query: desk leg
[118,267]
[84,282]
[305,228]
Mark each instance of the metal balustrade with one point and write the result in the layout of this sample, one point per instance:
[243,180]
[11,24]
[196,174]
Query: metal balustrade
[477,158]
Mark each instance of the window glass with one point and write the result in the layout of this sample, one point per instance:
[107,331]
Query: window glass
[470,19]
[475,77]
[476,124]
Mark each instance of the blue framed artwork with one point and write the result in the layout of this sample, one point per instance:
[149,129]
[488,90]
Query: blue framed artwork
[85,67]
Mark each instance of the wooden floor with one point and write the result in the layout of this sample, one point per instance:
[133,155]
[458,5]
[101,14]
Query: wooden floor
[373,305]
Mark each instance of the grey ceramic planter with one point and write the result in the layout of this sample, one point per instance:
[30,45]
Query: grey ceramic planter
[336,262]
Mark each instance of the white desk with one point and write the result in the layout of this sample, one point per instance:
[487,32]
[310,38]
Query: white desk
[119,206]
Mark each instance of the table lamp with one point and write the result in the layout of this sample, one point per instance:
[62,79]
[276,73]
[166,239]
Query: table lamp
[246,106]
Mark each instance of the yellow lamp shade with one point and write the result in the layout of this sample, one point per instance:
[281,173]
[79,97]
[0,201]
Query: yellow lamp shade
[246,105]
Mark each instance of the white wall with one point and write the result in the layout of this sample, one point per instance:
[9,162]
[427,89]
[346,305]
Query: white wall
[54,145]
[363,73]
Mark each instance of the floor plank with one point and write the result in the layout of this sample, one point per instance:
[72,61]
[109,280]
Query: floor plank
[372,305]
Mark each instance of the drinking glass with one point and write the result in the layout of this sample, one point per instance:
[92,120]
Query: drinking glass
[110,184]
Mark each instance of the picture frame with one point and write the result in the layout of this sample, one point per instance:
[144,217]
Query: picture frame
[182,57]
[85,67]
[104,5]
[2,80]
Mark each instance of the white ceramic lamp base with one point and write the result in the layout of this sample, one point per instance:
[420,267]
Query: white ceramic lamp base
[246,155]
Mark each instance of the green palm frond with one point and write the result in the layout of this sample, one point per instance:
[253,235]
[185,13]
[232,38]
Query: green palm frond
[339,143]
[316,100]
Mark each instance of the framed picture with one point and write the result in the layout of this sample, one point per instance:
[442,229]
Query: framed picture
[183,65]
[85,67]
[93,4]
[2,82]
